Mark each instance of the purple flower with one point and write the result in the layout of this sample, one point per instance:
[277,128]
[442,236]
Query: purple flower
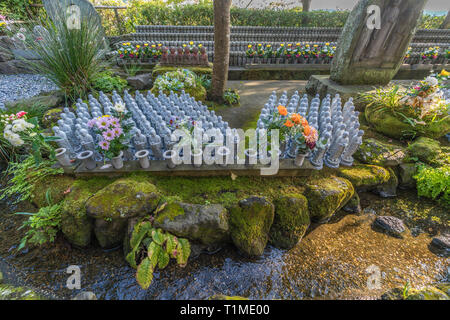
[109,135]
[103,123]
[91,123]
[114,122]
[117,131]
[104,145]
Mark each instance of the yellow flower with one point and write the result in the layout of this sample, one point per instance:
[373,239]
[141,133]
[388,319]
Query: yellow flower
[298,44]
[259,45]
[153,46]
[444,73]
[159,45]
[200,45]
[282,45]
[268,46]
[191,43]
[124,44]
[327,44]
[184,46]
[334,47]
[249,46]
[316,45]
[138,46]
[128,43]
[2,24]
[307,45]
[289,45]
[146,44]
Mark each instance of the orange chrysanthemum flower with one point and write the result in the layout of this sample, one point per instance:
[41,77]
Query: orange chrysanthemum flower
[289,124]
[304,122]
[296,118]
[306,130]
[282,110]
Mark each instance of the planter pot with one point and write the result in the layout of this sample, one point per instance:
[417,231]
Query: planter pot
[197,157]
[142,156]
[301,60]
[222,156]
[117,162]
[292,152]
[140,146]
[169,156]
[251,156]
[87,161]
[278,60]
[62,157]
[299,159]
[251,60]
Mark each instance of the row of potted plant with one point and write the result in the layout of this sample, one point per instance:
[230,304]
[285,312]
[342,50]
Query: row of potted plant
[290,53]
[431,55]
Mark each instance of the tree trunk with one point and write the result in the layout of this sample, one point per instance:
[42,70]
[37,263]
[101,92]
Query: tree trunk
[221,48]
[446,23]
[306,4]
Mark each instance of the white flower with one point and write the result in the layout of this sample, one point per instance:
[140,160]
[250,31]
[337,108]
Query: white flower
[432,81]
[22,30]
[16,142]
[119,107]
[19,125]
[20,36]
[33,134]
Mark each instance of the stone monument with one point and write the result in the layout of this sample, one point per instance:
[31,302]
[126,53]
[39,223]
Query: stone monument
[370,52]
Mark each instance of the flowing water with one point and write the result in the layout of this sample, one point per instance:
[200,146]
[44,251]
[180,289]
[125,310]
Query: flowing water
[329,263]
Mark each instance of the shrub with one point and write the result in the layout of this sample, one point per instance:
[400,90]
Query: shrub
[231,97]
[434,183]
[176,81]
[106,82]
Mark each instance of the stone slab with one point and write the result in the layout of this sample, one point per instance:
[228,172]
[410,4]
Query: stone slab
[159,167]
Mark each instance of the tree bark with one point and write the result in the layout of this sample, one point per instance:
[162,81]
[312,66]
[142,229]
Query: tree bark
[306,5]
[446,23]
[222,23]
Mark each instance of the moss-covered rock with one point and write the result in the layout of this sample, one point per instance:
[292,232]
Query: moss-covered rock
[428,293]
[57,186]
[250,223]
[124,198]
[365,177]
[389,188]
[373,151]
[425,149]
[75,224]
[291,220]
[8,292]
[444,287]
[406,172]
[51,116]
[207,224]
[326,196]
[353,205]
[395,126]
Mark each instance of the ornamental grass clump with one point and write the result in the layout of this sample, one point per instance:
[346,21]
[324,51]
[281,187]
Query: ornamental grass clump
[70,57]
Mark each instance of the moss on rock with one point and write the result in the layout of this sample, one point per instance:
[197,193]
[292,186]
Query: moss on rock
[75,224]
[250,223]
[353,205]
[124,198]
[389,188]
[326,196]
[375,152]
[8,292]
[290,222]
[51,116]
[365,177]
[428,293]
[206,224]
[395,126]
[57,186]
[425,149]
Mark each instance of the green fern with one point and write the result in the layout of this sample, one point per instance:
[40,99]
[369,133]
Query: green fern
[154,248]
[434,183]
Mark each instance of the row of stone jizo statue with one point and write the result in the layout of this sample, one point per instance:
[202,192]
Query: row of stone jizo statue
[180,130]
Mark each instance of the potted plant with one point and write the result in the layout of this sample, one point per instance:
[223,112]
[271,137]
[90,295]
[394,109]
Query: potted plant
[259,53]
[115,133]
[250,53]
[279,54]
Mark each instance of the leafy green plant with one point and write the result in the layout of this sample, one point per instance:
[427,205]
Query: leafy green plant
[132,69]
[151,248]
[25,175]
[106,82]
[405,291]
[231,97]
[43,225]
[434,183]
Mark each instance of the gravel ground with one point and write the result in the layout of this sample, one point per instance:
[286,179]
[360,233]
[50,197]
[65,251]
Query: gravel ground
[22,86]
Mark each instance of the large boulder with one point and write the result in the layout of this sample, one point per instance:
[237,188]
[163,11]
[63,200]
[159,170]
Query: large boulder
[250,223]
[373,151]
[395,126]
[326,196]
[124,198]
[353,205]
[207,224]
[8,292]
[427,293]
[113,205]
[50,100]
[141,81]
[51,116]
[291,221]
[76,226]
[56,186]
[441,244]
[365,177]
[425,149]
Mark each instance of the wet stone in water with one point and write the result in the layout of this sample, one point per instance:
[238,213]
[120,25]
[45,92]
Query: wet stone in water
[390,225]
